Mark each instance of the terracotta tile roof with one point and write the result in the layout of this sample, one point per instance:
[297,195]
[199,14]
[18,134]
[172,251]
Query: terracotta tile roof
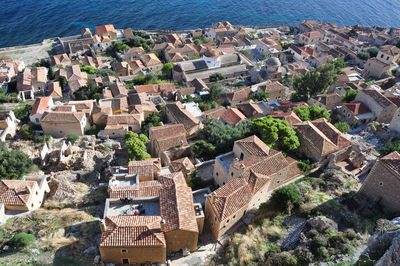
[41,105]
[392,161]
[176,204]
[60,59]
[250,109]
[233,116]
[230,198]
[390,49]
[239,95]
[257,181]
[168,136]
[65,108]
[378,97]
[123,119]
[68,117]
[156,89]
[332,133]
[144,167]
[289,116]
[357,108]
[215,113]
[273,86]
[182,116]
[132,231]
[150,60]
[15,192]
[182,164]
[55,90]
[139,190]
[253,145]
[395,100]
[104,29]
[118,89]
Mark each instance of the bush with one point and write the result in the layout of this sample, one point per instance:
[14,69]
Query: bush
[43,139]
[26,132]
[136,145]
[312,112]
[203,150]
[216,77]
[305,165]
[195,182]
[363,55]
[285,196]
[72,138]
[13,163]
[303,255]
[22,239]
[342,126]
[281,259]
[390,147]
[350,95]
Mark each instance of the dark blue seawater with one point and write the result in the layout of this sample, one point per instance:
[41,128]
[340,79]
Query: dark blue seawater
[31,21]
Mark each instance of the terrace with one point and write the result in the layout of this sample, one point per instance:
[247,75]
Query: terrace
[137,207]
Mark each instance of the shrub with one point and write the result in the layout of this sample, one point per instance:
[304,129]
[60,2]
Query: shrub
[305,165]
[72,138]
[342,126]
[285,196]
[26,132]
[203,150]
[216,77]
[322,253]
[390,147]
[136,145]
[350,95]
[13,163]
[363,55]
[281,259]
[43,138]
[304,255]
[22,239]
[312,112]
[195,181]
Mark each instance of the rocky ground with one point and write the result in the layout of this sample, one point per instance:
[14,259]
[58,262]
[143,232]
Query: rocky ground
[30,54]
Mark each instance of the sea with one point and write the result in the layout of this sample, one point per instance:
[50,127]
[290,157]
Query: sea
[30,21]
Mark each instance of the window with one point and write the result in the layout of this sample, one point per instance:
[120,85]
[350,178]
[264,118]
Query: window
[124,251]
[234,216]
[227,221]
[382,56]
[241,156]
[388,58]
[232,174]
[216,173]
[125,261]
[381,184]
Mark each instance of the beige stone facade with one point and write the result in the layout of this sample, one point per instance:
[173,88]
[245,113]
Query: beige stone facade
[382,183]
[60,124]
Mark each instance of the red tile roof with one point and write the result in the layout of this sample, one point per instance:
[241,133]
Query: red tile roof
[41,105]
[357,108]
[15,192]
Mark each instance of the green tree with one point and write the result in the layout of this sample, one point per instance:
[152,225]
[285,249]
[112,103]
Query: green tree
[89,69]
[89,92]
[204,150]
[350,95]
[117,47]
[216,77]
[22,113]
[390,147]
[286,196]
[216,91]
[13,163]
[342,126]
[136,145]
[305,165]
[373,52]
[307,113]
[363,55]
[167,70]
[259,96]
[276,133]
[153,120]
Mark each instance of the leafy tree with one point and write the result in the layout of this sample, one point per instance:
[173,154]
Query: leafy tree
[223,136]
[390,147]
[42,63]
[13,163]
[276,133]
[363,55]
[104,72]
[373,52]
[167,70]
[287,81]
[216,77]
[305,165]
[284,45]
[138,41]
[89,92]
[352,33]
[43,138]
[153,120]
[8,98]
[72,138]
[89,69]
[136,145]
[117,47]
[22,113]
[216,91]
[195,181]
[259,96]
[350,95]
[307,113]
[204,150]
[342,126]
[286,196]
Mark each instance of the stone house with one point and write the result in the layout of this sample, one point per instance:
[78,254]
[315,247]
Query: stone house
[74,77]
[133,53]
[164,138]
[164,210]
[383,181]
[118,125]
[32,81]
[375,68]
[23,195]
[327,101]
[60,60]
[107,31]
[379,104]
[8,125]
[319,138]
[122,69]
[177,113]
[55,90]
[355,114]
[252,154]
[238,96]
[59,124]
[165,90]
[289,116]
[151,62]
[395,123]
[251,109]
[274,89]
[309,38]
[145,170]
[41,105]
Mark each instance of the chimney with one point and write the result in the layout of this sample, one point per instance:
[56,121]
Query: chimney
[162,225]
[102,226]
